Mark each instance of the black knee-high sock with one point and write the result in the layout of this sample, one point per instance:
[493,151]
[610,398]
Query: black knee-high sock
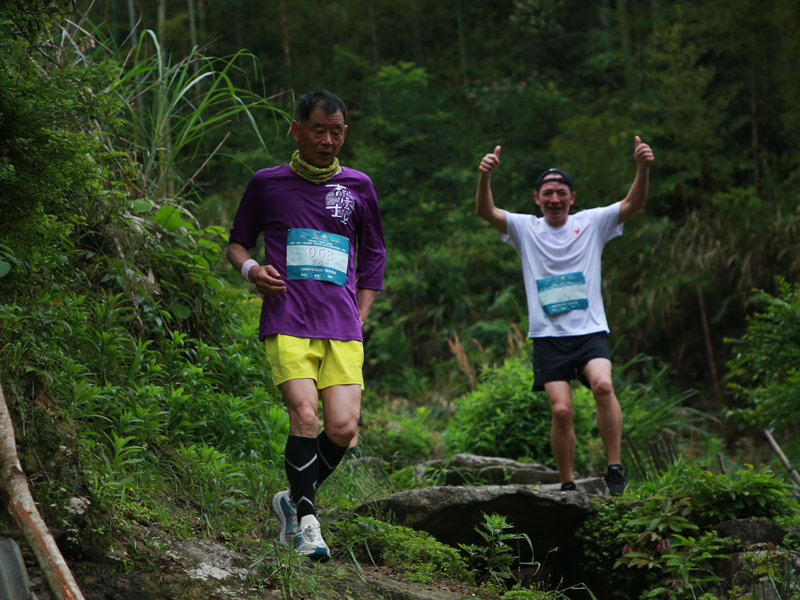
[302,471]
[330,455]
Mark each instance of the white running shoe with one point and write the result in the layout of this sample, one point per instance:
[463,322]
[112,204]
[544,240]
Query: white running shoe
[308,540]
[286,512]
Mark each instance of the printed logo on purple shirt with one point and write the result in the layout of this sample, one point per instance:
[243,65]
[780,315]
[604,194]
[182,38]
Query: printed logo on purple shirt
[341,201]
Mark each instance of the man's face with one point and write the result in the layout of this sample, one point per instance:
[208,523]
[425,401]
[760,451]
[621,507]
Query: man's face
[555,199]
[321,137]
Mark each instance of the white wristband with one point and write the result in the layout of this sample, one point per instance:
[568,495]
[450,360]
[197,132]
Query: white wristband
[248,264]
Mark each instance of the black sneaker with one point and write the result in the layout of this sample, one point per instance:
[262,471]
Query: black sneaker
[569,486]
[615,480]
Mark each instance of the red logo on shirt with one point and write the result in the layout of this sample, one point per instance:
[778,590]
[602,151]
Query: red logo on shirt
[577,231]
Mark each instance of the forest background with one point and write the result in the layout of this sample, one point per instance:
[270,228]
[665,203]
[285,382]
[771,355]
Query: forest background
[431,87]
[126,149]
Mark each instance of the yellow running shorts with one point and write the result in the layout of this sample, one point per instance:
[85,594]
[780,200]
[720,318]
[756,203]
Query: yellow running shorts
[327,362]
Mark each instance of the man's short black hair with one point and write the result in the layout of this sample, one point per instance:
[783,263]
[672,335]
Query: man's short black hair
[563,177]
[323,99]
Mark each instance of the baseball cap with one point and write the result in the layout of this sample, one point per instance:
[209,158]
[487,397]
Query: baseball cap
[564,178]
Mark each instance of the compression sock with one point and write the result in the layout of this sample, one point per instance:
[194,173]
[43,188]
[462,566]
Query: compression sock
[330,456]
[302,471]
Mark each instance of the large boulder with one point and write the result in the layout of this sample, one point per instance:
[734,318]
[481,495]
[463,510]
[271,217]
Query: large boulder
[470,469]
[763,572]
[752,531]
[451,514]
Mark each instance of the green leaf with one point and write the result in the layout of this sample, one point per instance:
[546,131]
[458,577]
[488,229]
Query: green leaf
[180,310]
[169,217]
[4,268]
[214,283]
[141,206]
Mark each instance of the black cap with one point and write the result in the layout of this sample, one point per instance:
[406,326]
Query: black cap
[564,177]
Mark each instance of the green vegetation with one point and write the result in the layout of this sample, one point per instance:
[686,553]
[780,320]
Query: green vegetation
[420,555]
[666,544]
[768,359]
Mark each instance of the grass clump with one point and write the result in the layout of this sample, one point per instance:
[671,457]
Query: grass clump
[421,556]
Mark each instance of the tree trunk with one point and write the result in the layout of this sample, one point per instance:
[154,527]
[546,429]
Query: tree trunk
[162,20]
[375,63]
[286,49]
[754,124]
[132,23]
[416,31]
[462,40]
[625,23]
[192,24]
[23,509]
[707,336]
[604,12]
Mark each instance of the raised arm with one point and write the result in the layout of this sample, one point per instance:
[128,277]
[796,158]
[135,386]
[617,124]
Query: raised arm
[637,195]
[484,202]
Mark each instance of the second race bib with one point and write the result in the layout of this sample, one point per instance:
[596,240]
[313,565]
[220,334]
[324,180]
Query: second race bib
[562,293]
[312,254]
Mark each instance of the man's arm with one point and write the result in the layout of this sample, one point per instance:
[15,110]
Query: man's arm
[484,201]
[266,277]
[364,299]
[637,195]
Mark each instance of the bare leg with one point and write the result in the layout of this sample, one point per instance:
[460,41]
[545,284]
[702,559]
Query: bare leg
[341,407]
[609,414]
[302,401]
[562,436]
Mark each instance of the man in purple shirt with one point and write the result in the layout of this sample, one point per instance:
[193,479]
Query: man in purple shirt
[324,255]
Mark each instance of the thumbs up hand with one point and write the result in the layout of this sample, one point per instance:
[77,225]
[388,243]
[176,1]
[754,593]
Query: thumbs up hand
[642,154]
[490,162]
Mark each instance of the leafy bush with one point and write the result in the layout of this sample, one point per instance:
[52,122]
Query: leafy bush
[669,540]
[380,542]
[716,497]
[495,557]
[767,360]
[391,435]
[609,519]
[503,417]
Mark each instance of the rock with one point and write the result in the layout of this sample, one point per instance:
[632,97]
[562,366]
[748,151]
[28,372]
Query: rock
[451,514]
[595,486]
[471,469]
[752,531]
[748,570]
[187,569]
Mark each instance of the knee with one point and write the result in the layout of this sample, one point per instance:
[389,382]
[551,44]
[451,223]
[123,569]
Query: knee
[342,432]
[304,417]
[603,390]
[562,414]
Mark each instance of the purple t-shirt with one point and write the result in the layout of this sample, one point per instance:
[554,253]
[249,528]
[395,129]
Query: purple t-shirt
[277,200]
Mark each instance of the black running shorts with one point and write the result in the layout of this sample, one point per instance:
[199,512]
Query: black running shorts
[562,358]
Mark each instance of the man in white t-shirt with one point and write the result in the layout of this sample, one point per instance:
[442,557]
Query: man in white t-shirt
[561,261]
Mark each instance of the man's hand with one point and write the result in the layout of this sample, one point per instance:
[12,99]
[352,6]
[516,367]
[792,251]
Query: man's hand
[637,195]
[642,154]
[490,162]
[364,299]
[267,280]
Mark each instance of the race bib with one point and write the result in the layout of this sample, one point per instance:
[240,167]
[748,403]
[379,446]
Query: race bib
[562,293]
[312,254]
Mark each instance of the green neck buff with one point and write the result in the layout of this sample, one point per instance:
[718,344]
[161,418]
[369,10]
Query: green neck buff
[315,175]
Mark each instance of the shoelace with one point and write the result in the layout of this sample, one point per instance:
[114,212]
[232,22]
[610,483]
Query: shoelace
[312,533]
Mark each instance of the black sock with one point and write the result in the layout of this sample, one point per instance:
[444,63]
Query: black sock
[330,455]
[302,471]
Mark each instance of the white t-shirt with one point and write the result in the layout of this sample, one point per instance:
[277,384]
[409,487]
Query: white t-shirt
[556,261]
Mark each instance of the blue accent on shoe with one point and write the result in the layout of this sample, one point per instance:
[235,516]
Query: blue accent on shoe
[286,511]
